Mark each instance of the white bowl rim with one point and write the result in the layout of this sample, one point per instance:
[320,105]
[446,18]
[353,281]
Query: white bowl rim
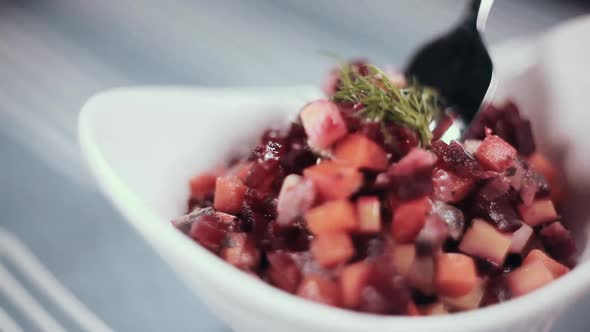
[291,308]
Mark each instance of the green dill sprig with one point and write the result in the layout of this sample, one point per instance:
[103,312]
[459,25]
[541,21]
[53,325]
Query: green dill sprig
[414,106]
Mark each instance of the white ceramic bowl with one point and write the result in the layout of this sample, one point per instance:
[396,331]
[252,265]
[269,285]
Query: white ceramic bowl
[143,144]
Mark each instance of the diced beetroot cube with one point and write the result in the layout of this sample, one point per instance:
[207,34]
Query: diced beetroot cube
[467,302]
[434,309]
[334,181]
[408,219]
[485,241]
[208,231]
[540,212]
[239,250]
[529,277]
[449,187]
[229,194]
[369,214]
[495,154]
[551,173]
[520,239]
[456,274]
[358,151]
[297,195]
[323,123]
[202,185]
[403,258]
[331,249]
[353,279]
[320,289]
[558,241]
[421,275]
[557,269]
[331,217]
[416,159]
[283,271]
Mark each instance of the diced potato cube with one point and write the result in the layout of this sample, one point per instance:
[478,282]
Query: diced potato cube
[353,280]
[495,154]
[540,212]
[520,239]
[358,151]
[331,249]
[485,241]
[332,216]
[369,214]
[334,181]
[409,218]
[323,123]
[557,269]
[529,277]
[320,289]
[296,197]
[467,302]
[456,274]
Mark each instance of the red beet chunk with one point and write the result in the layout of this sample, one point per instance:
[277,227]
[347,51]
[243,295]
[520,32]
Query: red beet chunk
[320,289]
[449,187]
[411,177]
[454,158]
[283,271]
[558,241]
[323,123]
[209,232]
[495,154]
[432,236]
[495,205]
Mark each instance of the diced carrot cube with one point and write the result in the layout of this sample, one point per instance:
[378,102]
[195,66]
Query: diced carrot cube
[557,269]
[456,274]
[552,174]
[495,154]
[320,289]
[520,239]
[369,214]
[449,187]
[332,216]
[485,241]
[331,249]
[358,151]
[434,309]
[539,212]
[334,181]
[403,257]
[529,277]
[353,280]
[469,301]
[323,123]
[229,194]
[240,170]
[408,219]
[202,185]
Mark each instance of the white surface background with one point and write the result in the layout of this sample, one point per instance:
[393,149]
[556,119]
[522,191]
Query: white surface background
[55,54]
